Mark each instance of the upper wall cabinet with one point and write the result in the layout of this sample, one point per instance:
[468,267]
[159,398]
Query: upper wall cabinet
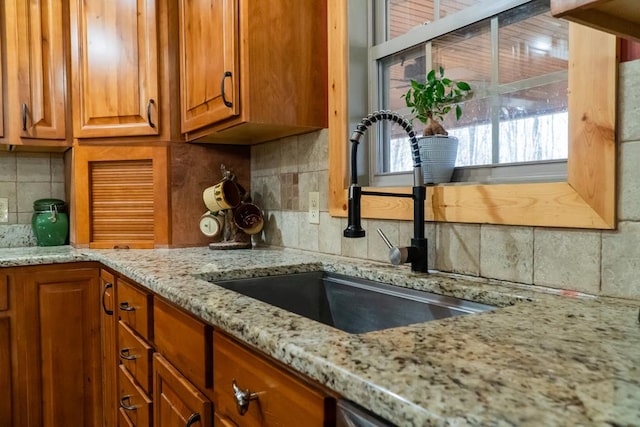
[37,48]
[114,68]
[620,17]
[252,71]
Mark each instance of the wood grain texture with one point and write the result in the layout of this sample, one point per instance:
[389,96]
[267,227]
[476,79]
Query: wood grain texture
[280,54]
[139,317]
[283,399]
[114,57]
[4,292]
[176,399]
[619,17]
[7,395]
[193,168]
[586,200]
[131,394]
[84,160]
[58,338]
[131,345]
[185,341]
[109,356]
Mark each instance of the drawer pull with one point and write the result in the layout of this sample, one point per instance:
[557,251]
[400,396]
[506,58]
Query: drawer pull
[124,306]
[194,418]
[224,100]
[243,398]
[124,355]
[149,104]
[125,403]
[24,117]
[104,293]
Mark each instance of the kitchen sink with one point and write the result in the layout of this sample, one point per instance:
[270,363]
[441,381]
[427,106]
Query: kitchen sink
[351,304]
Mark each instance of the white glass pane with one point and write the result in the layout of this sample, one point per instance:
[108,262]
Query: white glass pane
[403,15]
[474,133]
[447,7]
[533,124]
[532,47]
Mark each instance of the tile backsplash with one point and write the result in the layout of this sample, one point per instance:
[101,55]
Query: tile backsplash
[591,261]
[24,178]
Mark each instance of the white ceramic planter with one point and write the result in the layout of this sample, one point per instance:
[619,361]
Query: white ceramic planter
[438,155]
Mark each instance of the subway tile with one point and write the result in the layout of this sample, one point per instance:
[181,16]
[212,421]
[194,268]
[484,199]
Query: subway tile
[567,259]
[629,193]
[458,248]
[621,261]
[33,167]
[506,253]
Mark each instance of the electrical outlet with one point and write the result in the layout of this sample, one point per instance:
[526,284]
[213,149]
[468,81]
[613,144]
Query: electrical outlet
[314,207]
[4,209]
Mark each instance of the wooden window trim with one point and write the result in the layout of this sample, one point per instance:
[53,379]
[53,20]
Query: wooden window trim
[585,200]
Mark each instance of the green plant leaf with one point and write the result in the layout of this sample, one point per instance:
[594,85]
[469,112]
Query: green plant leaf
[463,85]
[431,77]
[458,112]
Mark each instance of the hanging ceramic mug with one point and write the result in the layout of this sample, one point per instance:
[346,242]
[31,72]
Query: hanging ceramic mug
[223,195]
[248,217]
[211,225]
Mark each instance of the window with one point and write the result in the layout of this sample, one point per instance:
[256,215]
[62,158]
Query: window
[512,52]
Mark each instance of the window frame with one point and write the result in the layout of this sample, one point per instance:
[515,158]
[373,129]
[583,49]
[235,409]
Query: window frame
[481,173]
[585,200]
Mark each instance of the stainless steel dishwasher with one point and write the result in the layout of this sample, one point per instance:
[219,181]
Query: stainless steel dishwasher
[349,414]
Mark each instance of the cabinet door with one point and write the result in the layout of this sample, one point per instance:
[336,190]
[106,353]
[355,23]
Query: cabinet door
[5,372]
[109,355]
[114,68]
[177,403]
[208,61]
[58,343]
[42,69]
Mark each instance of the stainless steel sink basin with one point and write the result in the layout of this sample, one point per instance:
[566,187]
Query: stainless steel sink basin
[351,304]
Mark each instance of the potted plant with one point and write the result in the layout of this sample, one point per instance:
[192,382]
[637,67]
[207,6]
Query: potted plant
[430,102]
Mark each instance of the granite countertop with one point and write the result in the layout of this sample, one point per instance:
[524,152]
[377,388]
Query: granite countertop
[539,359]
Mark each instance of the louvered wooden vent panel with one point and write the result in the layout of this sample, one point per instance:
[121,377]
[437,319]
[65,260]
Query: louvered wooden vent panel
[122,208]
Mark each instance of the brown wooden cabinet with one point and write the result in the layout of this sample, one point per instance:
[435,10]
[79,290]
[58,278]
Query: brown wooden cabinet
[273,396]
[252,71]
[58,345]
[178,402]
[110,362]
[37,72]
[6,349]
[114,57]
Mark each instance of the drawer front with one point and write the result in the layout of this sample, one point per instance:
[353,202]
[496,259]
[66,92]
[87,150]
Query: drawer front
[135,405]
[134,308]
[4,292]
[185,341]
[282,399]
[135,355]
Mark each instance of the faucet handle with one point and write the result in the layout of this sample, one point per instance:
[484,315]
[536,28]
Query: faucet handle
[397,255]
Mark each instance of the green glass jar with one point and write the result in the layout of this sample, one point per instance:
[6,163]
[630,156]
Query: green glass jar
[50,222]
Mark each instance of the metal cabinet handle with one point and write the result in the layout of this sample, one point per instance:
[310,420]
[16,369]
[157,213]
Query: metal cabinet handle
[149,104]
[125,403]
[194,418]
[124,306]
[124,354]
[224,100]
[243,398]
[24,117]
[104,293]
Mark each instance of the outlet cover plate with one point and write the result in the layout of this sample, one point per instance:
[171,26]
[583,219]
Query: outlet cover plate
[314,207]
[4,209]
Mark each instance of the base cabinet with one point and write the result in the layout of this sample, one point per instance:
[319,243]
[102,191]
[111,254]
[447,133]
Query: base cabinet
[178,402]
[58,346]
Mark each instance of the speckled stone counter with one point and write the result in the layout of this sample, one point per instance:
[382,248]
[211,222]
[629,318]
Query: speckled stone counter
[538,360]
